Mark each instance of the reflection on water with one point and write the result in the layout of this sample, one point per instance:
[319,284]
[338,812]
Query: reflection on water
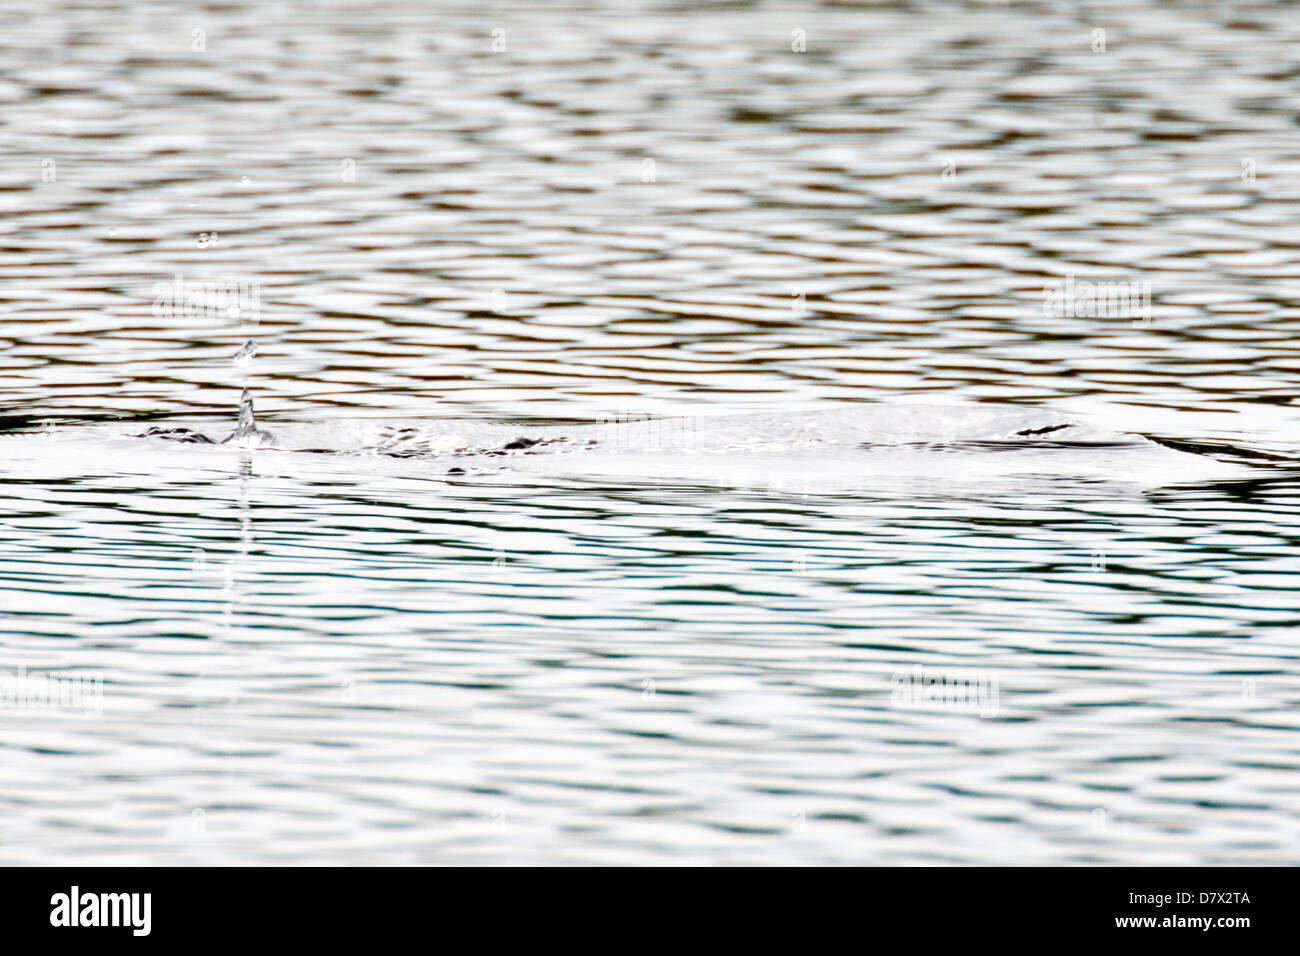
[574,212]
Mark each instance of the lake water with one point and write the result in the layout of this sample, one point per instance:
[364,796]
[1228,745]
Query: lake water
[558,213]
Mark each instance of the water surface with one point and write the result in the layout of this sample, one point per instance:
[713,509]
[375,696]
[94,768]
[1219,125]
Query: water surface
[363,659]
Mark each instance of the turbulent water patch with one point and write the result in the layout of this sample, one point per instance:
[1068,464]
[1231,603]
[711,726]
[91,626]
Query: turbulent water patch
[834,447]
[864,427]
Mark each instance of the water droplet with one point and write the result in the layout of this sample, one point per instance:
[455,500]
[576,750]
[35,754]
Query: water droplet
[245,356]
[112,232]
[245,181]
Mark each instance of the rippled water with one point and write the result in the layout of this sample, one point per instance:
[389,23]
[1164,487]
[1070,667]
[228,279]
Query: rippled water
[553,213]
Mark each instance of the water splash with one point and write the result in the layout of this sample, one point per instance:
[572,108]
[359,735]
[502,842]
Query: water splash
[246,434]
[247,420]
